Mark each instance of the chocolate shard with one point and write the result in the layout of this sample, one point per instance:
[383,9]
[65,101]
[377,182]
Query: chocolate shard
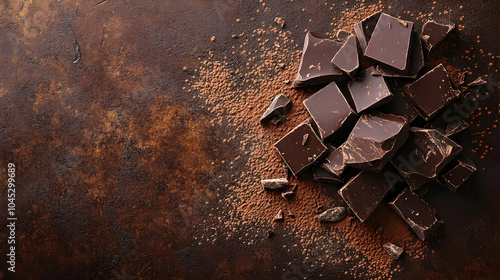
[416,61]
[364,192]
[434,33]
[424,155]
[393,250]
[334,162]
[390,43]
[333,214]
[399,105]
[457,173]
[322,175]
[315,66]
[278,108]
[364,29]
[330,111]
[419,215]
[369,91]
[477,82]
[299,157]
[279,216]
[274,184]
[374,140]
[431,92]
[347,58]
[454,128]
[289,194]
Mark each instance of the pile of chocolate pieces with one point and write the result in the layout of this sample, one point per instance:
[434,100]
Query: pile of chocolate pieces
[377,130]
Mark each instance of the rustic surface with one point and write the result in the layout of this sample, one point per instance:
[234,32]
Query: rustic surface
[114,159]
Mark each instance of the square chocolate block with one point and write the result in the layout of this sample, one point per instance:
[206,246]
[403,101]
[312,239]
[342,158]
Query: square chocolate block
[457,173]
[434,33]
[364,192]
[369,91]
[424,155]
[315,65]
[419,215]
[431,92]
[374,140]
[330,111]
[300,148]
[390,42]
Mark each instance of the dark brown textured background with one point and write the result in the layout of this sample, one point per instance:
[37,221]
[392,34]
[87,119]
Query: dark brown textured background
[113,159]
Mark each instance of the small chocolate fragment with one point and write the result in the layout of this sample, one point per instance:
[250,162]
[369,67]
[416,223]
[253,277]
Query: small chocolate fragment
[330,111]
[321,175]
[289,194]
[374,140]
[334,162]
[393,250]
[453,129]
[390,43]
[269,233]
[369,91]
[333,214]
[461,169]
[315,66]
[416,62]
[424,155]
[419,215]
[299,157]
[279,21]
[277,109]
[286,170]
[274,184]
[290,214]
[304,139]
[434,33]
[399,105]
[477,82]
[431,92]
[279,216]
[347,58]
[364,29]
[364,192]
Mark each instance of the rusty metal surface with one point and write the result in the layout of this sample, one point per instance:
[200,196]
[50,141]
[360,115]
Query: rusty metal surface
[114,172]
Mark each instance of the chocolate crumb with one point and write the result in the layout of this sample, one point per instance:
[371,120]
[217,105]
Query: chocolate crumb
[333,215]
[279,216]
[393,250]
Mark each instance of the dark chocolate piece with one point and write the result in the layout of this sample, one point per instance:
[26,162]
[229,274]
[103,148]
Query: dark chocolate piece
[364,192]
[431,92]
[269,233]
[315,65]
[369,91]
[347,58]
[299,157]
[364,29]
[390,42]
[330,111]
[279,216]
[453,129]
[416,62]
[399,105]
[477,82]
[374,140]
[274,184]
[424,155]
[419,215]
[334,162]
[393,250]
[461,169]
[333,214]
[434,33]
[278,108]
[342,35]
[322,175]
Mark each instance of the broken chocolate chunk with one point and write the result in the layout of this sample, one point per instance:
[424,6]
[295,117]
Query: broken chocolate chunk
[274,184]
[333,214]
[477,82]
[369,91]
[277,109]
[364,192]
[399,105]
[330,111]
[334,162]
[459,171]
[315,66]
[431,92]
[434,33]
[289,194]
[393,250]
[279,216]
[419,215]
[347,58]
[454,128]
[299,157]
[374,140]
[321,175]
[424,155]
[416,61]
[390,43]
[364,29]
